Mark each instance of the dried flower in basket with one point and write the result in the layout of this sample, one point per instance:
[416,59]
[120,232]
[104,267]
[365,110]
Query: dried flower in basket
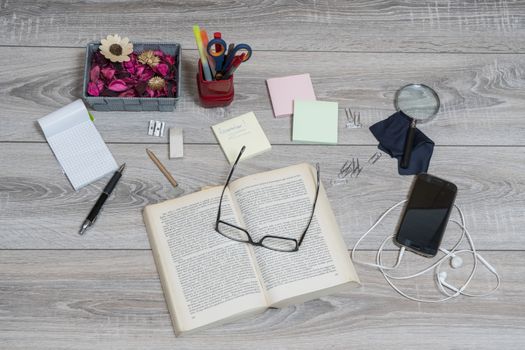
[156,83]
[115,48]
[148,57]
[153,73]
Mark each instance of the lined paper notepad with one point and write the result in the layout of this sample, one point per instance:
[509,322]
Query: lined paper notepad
[77,144]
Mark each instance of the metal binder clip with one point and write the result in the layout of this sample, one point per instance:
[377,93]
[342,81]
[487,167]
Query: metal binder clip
[375,157]
[353,119]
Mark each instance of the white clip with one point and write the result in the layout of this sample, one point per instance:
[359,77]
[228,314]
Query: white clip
[151,127]
[157,128]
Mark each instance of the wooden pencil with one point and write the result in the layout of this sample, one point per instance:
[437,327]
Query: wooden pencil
[162,168]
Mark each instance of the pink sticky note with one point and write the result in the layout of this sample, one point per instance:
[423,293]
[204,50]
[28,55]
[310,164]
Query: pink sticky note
[284,90]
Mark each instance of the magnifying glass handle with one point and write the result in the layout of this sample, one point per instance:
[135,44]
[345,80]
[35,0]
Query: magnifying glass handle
[405,162]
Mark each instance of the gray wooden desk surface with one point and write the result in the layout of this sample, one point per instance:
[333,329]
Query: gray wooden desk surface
[101,291]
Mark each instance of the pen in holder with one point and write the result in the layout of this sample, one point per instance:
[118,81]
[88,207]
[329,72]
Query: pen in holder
[214,93]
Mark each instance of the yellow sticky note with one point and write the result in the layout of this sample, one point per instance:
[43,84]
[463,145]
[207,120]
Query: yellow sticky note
[241,131]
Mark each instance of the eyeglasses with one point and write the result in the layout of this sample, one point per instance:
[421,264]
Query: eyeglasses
[277,243]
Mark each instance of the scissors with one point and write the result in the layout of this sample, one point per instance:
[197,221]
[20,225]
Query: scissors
[217,50]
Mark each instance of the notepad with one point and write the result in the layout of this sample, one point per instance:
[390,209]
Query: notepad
[315,122]
[77,144]
[284,90]
[241,131]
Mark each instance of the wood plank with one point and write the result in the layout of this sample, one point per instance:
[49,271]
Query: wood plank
[39,209]
[113,299]
[482,102]
[386,26]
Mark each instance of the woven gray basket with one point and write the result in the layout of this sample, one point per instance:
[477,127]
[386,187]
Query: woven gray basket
[162,104]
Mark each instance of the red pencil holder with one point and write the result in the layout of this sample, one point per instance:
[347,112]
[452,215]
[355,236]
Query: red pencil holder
[214,93]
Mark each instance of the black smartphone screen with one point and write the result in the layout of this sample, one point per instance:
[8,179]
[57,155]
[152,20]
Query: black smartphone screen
[426,214]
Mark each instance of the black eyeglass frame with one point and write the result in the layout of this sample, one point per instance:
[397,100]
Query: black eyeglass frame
[260,242]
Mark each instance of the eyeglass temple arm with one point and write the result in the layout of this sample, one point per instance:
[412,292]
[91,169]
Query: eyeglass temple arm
[228,181]
[313,207]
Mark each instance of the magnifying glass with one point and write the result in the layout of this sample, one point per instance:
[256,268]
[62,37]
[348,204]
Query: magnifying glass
[419,102]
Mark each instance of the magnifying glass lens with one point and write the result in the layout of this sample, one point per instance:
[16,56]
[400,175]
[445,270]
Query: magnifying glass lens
[417,101]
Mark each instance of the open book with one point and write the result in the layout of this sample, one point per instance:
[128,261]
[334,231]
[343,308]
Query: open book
[208,278]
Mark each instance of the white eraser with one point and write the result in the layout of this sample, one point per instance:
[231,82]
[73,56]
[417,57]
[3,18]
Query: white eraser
[151,127]
[157,128]
[176,143]
[162,129]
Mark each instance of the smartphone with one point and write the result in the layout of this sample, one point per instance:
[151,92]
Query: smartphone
[426,214]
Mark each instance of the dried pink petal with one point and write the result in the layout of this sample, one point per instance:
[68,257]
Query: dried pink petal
[130,66]
[158,53]
[162,69]
[128,93]
[108,72]
[139,70]
[94,73]
[170,59]
[130,81]
[150,92]
[117,85]
[92,89]
[162,93]
[147,75]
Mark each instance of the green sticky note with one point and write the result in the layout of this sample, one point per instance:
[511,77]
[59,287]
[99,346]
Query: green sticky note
[315,122]
[91,117]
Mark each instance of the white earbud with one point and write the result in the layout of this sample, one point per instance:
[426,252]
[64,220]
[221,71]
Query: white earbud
[442,277]
[456,262]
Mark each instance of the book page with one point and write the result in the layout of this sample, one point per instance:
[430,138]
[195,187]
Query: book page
[280,203]
[206,277]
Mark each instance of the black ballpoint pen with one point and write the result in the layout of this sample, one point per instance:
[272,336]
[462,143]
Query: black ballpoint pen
[92,216]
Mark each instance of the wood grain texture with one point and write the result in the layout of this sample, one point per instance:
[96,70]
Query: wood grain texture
[113,300]
[41,210]
[387,26]
[482,95]
[62,291]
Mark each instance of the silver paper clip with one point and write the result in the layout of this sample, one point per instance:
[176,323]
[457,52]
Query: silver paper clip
[375,157]
[350,168]
[338,181]
[353,119]
[346,169]
[357,169]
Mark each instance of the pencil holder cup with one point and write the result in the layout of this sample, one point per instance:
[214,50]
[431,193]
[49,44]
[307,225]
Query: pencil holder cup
[214,93]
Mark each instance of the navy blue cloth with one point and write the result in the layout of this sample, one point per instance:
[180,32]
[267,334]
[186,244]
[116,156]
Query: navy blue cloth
[392,134]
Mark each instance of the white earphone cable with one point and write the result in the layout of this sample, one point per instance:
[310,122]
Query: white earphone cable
[436,265]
